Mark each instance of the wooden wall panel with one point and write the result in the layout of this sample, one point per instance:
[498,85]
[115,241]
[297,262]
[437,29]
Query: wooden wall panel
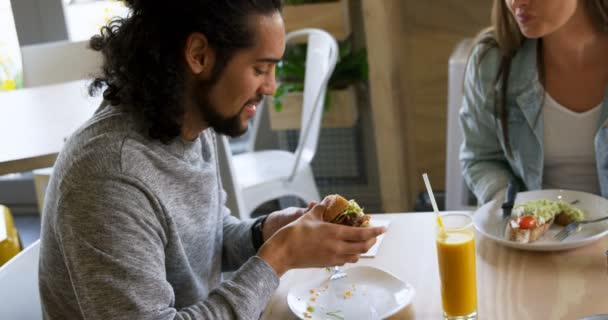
[331,16]
[430,41]
[409,43]
[395,160]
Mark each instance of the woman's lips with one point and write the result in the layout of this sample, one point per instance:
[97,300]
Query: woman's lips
[523,18]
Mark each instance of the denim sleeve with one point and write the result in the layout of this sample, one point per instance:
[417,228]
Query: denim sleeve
[484,165]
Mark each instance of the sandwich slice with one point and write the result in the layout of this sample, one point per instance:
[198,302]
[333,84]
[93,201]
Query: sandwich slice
[568,214]
[345,212]
[531,220]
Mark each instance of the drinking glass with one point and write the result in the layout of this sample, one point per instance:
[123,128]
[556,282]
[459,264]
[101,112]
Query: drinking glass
[456,257]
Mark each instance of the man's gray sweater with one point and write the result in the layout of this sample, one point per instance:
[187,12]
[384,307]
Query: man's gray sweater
[137,229]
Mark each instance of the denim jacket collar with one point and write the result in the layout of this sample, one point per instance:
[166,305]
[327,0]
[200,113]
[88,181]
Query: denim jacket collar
[524,85]
[525,95]
[604,111]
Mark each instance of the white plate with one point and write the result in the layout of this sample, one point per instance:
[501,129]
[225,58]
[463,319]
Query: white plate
[488,220]
[374,249]
[365,293]
[596,317]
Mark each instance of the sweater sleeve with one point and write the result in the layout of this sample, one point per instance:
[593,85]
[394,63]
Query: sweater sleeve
[238,243]
[112,235]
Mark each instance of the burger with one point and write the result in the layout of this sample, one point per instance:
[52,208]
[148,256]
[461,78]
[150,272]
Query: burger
[345,212]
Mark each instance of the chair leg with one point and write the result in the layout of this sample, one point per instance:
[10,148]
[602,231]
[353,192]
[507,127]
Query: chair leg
[308,188]
[41,181]
[303,187]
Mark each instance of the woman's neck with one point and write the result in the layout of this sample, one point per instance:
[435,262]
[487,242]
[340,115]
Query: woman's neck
[577,44]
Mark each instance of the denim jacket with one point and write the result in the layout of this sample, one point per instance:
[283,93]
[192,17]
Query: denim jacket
[483,157]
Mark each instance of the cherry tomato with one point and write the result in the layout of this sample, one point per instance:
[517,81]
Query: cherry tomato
[527,222]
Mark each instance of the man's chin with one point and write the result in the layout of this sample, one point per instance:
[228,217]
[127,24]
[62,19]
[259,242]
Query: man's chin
[233,133]
[241,132]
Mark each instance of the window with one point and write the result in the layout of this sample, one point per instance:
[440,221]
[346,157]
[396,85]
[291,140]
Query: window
[84,18]
[10,56]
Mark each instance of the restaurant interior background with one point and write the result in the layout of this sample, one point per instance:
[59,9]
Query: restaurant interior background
[383,127]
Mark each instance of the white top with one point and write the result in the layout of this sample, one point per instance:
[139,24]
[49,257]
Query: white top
[569,150]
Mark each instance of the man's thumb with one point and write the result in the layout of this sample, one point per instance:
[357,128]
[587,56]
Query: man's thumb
[318,211]
[311,205]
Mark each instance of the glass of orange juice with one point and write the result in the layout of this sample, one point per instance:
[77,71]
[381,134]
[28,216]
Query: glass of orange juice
[456,257]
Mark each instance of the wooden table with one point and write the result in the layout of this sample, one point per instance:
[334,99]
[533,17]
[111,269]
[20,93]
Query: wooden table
[35,121]
[562,285]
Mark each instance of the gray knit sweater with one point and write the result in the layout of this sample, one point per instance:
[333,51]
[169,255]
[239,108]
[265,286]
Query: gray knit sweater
[136,229]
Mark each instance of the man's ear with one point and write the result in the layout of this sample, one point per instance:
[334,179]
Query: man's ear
[199,55]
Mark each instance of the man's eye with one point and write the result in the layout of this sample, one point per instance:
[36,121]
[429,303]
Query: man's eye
[259,72]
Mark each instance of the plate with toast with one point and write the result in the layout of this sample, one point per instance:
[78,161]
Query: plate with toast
[537,216]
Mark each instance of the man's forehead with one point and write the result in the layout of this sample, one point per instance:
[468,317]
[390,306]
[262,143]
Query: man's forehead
[269,38]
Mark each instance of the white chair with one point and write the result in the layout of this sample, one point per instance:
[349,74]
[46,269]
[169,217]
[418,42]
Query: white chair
[53,63]
[57,62]
[234,200]
[19,291]
[457,192]
[261,176]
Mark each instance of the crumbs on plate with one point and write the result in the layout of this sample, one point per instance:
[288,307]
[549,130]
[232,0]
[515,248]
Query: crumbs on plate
[348,294]
[351,292]
[315,293]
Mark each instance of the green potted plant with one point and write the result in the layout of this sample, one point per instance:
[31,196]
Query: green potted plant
[340,101]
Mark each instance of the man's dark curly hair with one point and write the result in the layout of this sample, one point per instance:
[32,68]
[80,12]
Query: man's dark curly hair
[143,69]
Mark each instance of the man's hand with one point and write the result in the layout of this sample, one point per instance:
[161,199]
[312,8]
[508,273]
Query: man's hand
[279,219]
[310,242]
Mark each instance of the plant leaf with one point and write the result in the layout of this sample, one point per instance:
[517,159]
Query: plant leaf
[351,68]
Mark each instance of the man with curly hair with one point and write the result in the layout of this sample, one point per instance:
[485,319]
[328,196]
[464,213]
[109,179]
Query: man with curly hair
[135,224]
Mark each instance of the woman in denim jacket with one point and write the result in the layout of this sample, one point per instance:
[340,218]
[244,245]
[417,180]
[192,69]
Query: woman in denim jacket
[535,106]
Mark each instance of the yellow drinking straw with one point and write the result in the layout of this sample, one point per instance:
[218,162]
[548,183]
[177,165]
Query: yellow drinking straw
[427,183]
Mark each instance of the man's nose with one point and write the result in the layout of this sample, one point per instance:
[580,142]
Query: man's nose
[269,87]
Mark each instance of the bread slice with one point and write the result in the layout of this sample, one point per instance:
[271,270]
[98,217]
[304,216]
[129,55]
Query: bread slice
[563,219]
[336,204]
[526,235]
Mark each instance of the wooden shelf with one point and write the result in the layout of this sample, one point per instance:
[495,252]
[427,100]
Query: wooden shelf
[342,112]
[332,17]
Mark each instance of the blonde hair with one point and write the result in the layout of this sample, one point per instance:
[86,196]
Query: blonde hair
[504,34]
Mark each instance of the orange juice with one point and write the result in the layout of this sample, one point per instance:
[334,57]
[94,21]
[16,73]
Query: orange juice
[9,243]
[456,255]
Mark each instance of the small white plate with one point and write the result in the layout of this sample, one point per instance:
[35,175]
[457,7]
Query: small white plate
[374,249]
[596,317]
[366,293]
[488,220]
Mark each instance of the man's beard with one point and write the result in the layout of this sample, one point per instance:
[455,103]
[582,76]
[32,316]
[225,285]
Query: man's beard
[230,126]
